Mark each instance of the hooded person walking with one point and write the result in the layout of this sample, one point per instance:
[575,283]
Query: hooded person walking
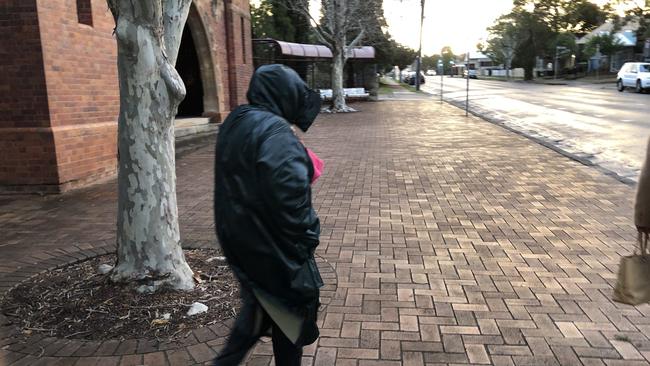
[264,218]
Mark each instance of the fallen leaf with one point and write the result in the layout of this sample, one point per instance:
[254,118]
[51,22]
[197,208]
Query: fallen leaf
[156,322]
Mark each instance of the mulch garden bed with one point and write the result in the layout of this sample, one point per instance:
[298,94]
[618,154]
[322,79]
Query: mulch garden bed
[76,302]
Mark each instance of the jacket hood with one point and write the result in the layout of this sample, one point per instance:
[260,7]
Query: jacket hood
[280,89]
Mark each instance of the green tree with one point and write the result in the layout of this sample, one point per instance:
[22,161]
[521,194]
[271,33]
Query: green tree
[261,20]
[561,16]
[607,44]
[566,40]
[402,56]
[502,42]
[535,28]
[585,16]
[274,19]
[533,39]
[375,35]
[448,57]
[639,12]
[430,62]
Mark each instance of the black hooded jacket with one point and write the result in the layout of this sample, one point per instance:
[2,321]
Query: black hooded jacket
[263,211]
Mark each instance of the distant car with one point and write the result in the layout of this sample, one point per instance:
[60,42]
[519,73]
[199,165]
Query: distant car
[431,73]
[472,74]
[634,75]
[410,78]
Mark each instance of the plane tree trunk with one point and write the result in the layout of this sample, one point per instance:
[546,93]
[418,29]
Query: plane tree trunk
[340,20]
[338,93]
[149,253]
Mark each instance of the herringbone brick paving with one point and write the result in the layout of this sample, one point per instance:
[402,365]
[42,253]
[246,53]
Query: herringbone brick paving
[453,242]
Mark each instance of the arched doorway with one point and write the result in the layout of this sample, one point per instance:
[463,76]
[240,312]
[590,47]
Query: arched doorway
[196,67]
[187,65]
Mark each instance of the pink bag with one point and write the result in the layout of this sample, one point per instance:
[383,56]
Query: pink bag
[318,164]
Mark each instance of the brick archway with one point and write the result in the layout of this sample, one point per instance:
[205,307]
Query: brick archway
[207,64]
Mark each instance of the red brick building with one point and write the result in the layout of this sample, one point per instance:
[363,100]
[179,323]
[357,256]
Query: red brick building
[59,97]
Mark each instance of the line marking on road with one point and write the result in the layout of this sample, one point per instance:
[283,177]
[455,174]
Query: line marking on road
[627,120]
[599,115]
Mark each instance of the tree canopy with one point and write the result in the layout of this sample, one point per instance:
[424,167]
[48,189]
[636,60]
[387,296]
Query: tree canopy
[607,44]
[639,12]
[565,16]
[274,19]
[539,28]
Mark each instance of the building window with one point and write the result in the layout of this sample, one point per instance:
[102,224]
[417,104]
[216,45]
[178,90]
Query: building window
[243,38]
[85,12]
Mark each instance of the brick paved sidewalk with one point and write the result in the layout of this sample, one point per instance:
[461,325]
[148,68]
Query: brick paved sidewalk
[453,242]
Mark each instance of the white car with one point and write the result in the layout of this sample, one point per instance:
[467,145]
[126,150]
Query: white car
[634,75]
[472,73]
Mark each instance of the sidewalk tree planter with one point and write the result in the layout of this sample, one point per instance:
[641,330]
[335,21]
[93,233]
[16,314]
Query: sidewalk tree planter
[149,253]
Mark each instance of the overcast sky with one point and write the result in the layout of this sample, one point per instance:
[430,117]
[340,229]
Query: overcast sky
[459,24]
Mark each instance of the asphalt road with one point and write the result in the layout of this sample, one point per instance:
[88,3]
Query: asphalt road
[593,122]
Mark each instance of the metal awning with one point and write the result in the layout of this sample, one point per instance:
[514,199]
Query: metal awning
[366,52]
[304,50]
[315,51]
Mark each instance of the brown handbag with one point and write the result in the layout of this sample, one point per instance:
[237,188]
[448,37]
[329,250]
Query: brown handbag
[633,284]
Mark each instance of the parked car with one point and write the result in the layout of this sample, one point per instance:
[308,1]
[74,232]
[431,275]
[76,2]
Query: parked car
[634,75]
[431,73]
[472,74]
[410,78]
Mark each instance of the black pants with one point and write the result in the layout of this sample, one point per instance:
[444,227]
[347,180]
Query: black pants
[252,323]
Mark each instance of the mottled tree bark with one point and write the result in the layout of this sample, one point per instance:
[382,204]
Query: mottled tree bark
[338,95]
[148,36]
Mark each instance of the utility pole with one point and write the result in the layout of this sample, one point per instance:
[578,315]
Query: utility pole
[600,57]
[467,93]
[555,64]
[442,73]
[419,60]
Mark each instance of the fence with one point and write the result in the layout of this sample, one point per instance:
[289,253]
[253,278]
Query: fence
[514,73]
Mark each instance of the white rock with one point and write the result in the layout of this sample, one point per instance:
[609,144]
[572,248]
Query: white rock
[104,268]
[197,308]
[220,259]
